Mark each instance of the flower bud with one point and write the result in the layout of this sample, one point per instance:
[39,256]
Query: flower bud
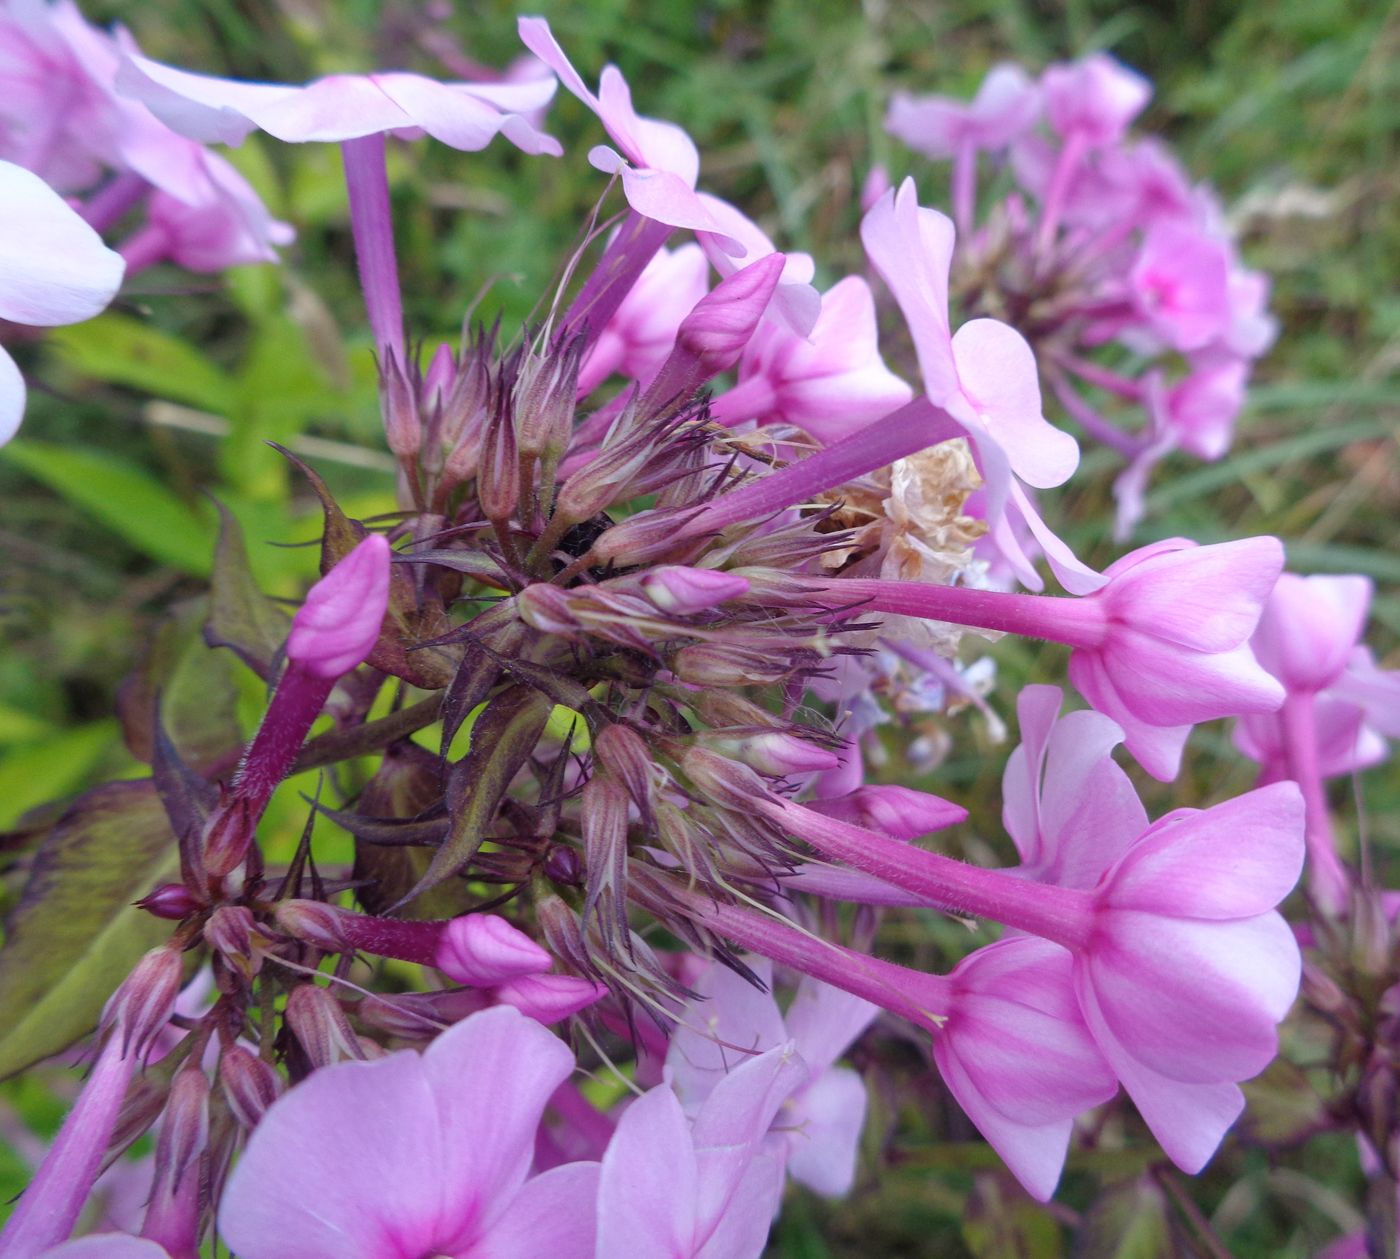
[227,836]
[184,1133]
[546,608]
[172,901]
[892,810]
[649,535]
[320,1026]
[338,625]
[498,473]
[438,379]
[484,949]
[550,998]
[777,754]
[546,393]
[624,753]
[718,330]
[250,1085]
[142,1005]
[233,935]
[562,865]
[724,781]
[680,590]
[399,408]
[314,922]
[712,664]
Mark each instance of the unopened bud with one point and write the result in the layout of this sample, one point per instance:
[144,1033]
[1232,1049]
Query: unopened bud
[484,949]
[184,1130]
[338,625]
[314,922]
[712,664]
[1372,949]
[227,836]
[680,590]
[498,468]
[550,998]
[233,935]
[143,1004]
[724,781]
[250,1085]
[172,901]
[320,1026]
[1322,992]
[399,408]
[778,754]
[892,810]
[545,399]
[649,535]
[625,754]
[437,380]
[720,327]
[562,865]
[546,608]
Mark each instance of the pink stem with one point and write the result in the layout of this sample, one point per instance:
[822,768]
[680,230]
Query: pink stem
[372,223]
[964,189]
[1328,877]
[296,704]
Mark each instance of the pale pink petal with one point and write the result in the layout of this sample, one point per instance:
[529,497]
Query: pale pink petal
[824,1140]
[347,1165]
[1037,708]
[1169,685]
[338,625]
[741,1230]
[1310,626]
[824,1022]
[648,1186]
[488,1132]
[998,375]
[107,1246]
[554,1214]
[54,269]
[1157,748]
[1070,571]
[1235,860]
[12,397]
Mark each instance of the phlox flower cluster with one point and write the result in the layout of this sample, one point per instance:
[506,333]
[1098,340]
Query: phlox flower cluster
[1120,271]
[673,569]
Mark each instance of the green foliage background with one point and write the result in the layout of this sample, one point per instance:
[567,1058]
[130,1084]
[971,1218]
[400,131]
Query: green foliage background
[1291,108]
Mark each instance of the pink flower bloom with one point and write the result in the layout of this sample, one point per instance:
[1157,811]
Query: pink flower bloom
[818,1127]
[484,950]
[985,375]
[1200,411]
[1345,740]
[1096,98]
[54,269]
[416,1154]
[638,337]
[1181,285]
[1309,628]
[1006,104]
[706,1190]
[829,384]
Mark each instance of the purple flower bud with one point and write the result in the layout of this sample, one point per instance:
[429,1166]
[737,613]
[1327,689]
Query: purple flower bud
[142,1006]
[899,811]
[250,1085]
[550,998]
[484,950]
[172,1215]
[716,332]
[172,901]
[545,400]
[233,935]
[320,1025]
[625,754]
[399,408]
[714,664]
[724,781]
[546,608]
[315,922]
[682,591]
[339,623]
[498,473]
[227,836]
[437,380]
[562,865]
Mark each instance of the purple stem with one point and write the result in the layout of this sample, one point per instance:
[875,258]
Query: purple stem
[144,248]
[964,189]
[1107,380]
[1062,915]
[372,222]
[625,258]
[1065,166]
[1091,421]
[1076,622]
[115,198]
[1328,878]
[914,427]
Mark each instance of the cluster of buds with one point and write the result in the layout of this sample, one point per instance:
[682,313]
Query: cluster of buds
[1119,271]
[622,654]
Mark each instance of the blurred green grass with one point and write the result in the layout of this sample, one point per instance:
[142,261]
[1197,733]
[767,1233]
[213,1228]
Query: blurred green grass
[1292,109]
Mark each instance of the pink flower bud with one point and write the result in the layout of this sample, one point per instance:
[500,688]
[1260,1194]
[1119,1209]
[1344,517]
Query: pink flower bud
[724,781]
[717,330]
[227,836]
[172,1215]
[778,754]
[399,408]
[339,623]
[484,950]
[899,811]
[315,922]
[250,1085]
[233,935]
[437,380]
[550,998]
[683,591]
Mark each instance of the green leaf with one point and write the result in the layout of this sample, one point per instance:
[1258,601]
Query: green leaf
[55,767]
[241,617]
[126,351]
[124,497]
[75,933]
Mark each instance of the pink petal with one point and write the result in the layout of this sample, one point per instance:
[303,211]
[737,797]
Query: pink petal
[108,1246]
[54,269]
[1195,1001]
[338,624]
[1037,708]
[347,1165]
[824,1022]
[1310,626]
[824,1142]
[1169,685]
[1235,860]
[488,1132]
[999,377]
[1157,747]
[554,1214]
[647,1189]
[742,1229]
[11,397]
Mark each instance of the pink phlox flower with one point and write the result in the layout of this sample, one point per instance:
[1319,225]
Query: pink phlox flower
[1252,329]
[338,624]
[1016,1054]
[1309,628]
[54,269]
[1345,740]
[1375,690]
[1189,968]
[829,384]
[416,1154]
[701,1189]
[818,1127]
[1180,283]
[1174,646]
[639,335]
[465,116]
[1200,410]
[1006,105]
[1148,181]
[1070,808]
[1095,98]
